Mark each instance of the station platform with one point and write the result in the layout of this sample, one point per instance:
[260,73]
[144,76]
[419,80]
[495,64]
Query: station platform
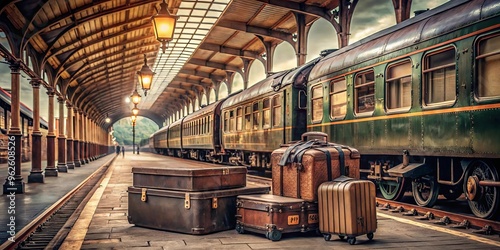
[103,222]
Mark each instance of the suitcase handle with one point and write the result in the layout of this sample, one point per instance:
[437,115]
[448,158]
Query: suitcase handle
[322,135]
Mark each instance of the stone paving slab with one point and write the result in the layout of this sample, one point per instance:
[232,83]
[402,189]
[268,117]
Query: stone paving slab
[109,228]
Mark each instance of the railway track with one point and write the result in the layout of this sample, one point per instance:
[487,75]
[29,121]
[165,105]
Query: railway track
[50,228]
[435,216]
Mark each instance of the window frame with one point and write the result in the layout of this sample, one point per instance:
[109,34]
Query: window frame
[276,105]
[320,86]
[330,96]
[255,116]
[477,57]
[425,71]
[239,119]
[266,124]
[355,89]
[386,86]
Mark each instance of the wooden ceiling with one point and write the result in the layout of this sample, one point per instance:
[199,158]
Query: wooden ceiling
[92,49]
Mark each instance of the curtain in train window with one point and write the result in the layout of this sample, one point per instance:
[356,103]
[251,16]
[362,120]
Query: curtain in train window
[439,77]
[248,121]
[398,86]
[226,121]
[338,98]
[364,92]
[256,115]
[488,61]
[317,103]
[239,119]
[231,121]
[266,113]
[276,110]
[2,118]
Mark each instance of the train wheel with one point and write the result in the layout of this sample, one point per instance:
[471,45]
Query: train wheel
[451,192]
[425,191]
[392,190]
[483,200]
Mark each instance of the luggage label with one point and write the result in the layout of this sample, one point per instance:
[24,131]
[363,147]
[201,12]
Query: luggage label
[312,218]
[293,219]
[144,197]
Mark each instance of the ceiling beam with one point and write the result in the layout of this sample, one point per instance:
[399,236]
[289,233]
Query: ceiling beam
[215,65]
[242,26]
[301,8]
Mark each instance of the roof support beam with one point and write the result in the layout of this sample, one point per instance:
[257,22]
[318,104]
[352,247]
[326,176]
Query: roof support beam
[241,26]
[214,65]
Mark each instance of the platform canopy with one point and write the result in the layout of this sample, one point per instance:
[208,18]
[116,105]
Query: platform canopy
[90,50]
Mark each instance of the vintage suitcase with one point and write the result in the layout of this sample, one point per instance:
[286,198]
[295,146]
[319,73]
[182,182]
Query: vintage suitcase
[274,215]
[186,212]
[300,168]
[191,176]
[347,207]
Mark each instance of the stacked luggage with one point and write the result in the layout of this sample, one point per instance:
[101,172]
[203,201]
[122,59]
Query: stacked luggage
[306,175]
[193,199]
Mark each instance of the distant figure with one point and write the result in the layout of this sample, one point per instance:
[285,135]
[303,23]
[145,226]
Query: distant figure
[123,152]
[137,149]
[117,149]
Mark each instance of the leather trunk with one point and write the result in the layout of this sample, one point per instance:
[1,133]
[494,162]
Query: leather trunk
[347,207]
[190,176]
[186,212]
[274,215]
[302,179]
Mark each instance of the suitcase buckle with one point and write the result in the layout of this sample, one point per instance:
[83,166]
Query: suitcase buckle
[144,197]
[187,201]
[225,171]
[214,202]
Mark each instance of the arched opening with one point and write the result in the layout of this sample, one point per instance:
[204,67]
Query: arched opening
[212,96]
[237,82]
[223,90]
[284,57]
[4,41]
[257,73]
[369,18]
[123,132]
[321,36]
[204,99]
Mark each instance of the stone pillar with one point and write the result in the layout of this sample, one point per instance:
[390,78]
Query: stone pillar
[76,138]
[61,140]
[87,140]
[83,138]
[51,170]
[69,139]
[36,173]
[14,181]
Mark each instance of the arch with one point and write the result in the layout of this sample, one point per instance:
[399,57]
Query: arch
[322,36]
[380,16]
[257,72]
[204,99]
[5,41]
[284,57]
[212,96]
[196,104]
[238,83]
[223,92]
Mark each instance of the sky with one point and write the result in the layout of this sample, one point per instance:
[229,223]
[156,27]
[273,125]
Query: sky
[369,17]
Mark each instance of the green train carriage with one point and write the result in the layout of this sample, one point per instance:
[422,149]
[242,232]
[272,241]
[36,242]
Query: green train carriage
[421,102]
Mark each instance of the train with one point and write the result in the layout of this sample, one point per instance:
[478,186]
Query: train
[26,129]
[419,100]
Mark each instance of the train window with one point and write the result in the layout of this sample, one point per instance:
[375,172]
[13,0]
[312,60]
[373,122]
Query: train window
[364,92]
[338,98]
[276,111]
[2,118]
[266,113]
[231,121]
[239,119]
[439,77]
[226,121]
[488,61]
[398,85]
[255,116]
[248,114]
[317,103]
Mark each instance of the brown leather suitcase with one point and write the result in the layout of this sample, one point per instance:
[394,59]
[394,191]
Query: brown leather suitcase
[274,215]
[347,207]
[183,175]
[186,212]
[300,168]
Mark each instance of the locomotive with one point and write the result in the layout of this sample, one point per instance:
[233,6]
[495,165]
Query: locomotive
[419,100]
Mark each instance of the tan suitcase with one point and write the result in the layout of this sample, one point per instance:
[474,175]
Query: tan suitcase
[347,207]
[274,215]
[300,168]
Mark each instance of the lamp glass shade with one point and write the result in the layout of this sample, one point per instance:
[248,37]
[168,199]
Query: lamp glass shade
[134,118]
[135,111]
[135,97]
[164,25]
[108,120]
